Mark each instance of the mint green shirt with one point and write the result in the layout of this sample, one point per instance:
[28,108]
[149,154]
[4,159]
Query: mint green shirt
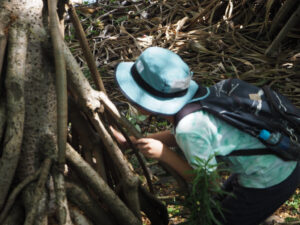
[203,135]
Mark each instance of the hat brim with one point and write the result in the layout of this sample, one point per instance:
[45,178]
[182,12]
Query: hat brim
[154,104]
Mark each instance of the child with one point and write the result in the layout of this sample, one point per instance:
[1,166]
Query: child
[160,83]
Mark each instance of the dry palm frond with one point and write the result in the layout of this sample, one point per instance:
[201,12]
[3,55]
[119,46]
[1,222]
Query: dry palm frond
[218,39]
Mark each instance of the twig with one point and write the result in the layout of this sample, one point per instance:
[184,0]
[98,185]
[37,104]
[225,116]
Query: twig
[139,158]
[117,116]
[194,20]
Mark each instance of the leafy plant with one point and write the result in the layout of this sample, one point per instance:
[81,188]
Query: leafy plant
[135,117]
[202,201]
[294,202]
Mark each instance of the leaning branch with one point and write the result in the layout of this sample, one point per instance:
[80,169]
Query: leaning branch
[129,181]
[85,49]
[14,85]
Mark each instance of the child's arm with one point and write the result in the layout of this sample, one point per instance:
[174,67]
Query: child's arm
[164,136]
[156,149]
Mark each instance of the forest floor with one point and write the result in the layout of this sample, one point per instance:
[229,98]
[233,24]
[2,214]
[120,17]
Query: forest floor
[217,39]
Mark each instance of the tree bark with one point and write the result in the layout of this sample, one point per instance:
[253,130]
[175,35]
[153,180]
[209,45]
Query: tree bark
[14,85]
[122,214]
[88,205]
[78,218]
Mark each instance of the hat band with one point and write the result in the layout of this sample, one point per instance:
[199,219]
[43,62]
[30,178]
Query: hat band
[140,81]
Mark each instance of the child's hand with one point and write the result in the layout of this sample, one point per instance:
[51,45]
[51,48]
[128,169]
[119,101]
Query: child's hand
[150,147]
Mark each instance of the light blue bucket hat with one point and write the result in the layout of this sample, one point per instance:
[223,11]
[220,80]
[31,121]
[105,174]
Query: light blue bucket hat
[159,81]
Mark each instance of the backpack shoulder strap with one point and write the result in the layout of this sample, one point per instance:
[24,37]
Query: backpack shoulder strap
[193,106]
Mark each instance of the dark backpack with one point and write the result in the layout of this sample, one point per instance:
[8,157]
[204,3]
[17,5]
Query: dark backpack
[260,112]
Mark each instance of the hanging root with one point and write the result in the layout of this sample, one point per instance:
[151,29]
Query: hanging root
[39,190]
[12,197]
[14,85]
[88,139]
[120,211]
[78,218]
[2,118]
[88,205]
[15,216]
[3,42]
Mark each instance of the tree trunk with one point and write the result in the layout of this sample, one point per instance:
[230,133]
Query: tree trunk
[36,67]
